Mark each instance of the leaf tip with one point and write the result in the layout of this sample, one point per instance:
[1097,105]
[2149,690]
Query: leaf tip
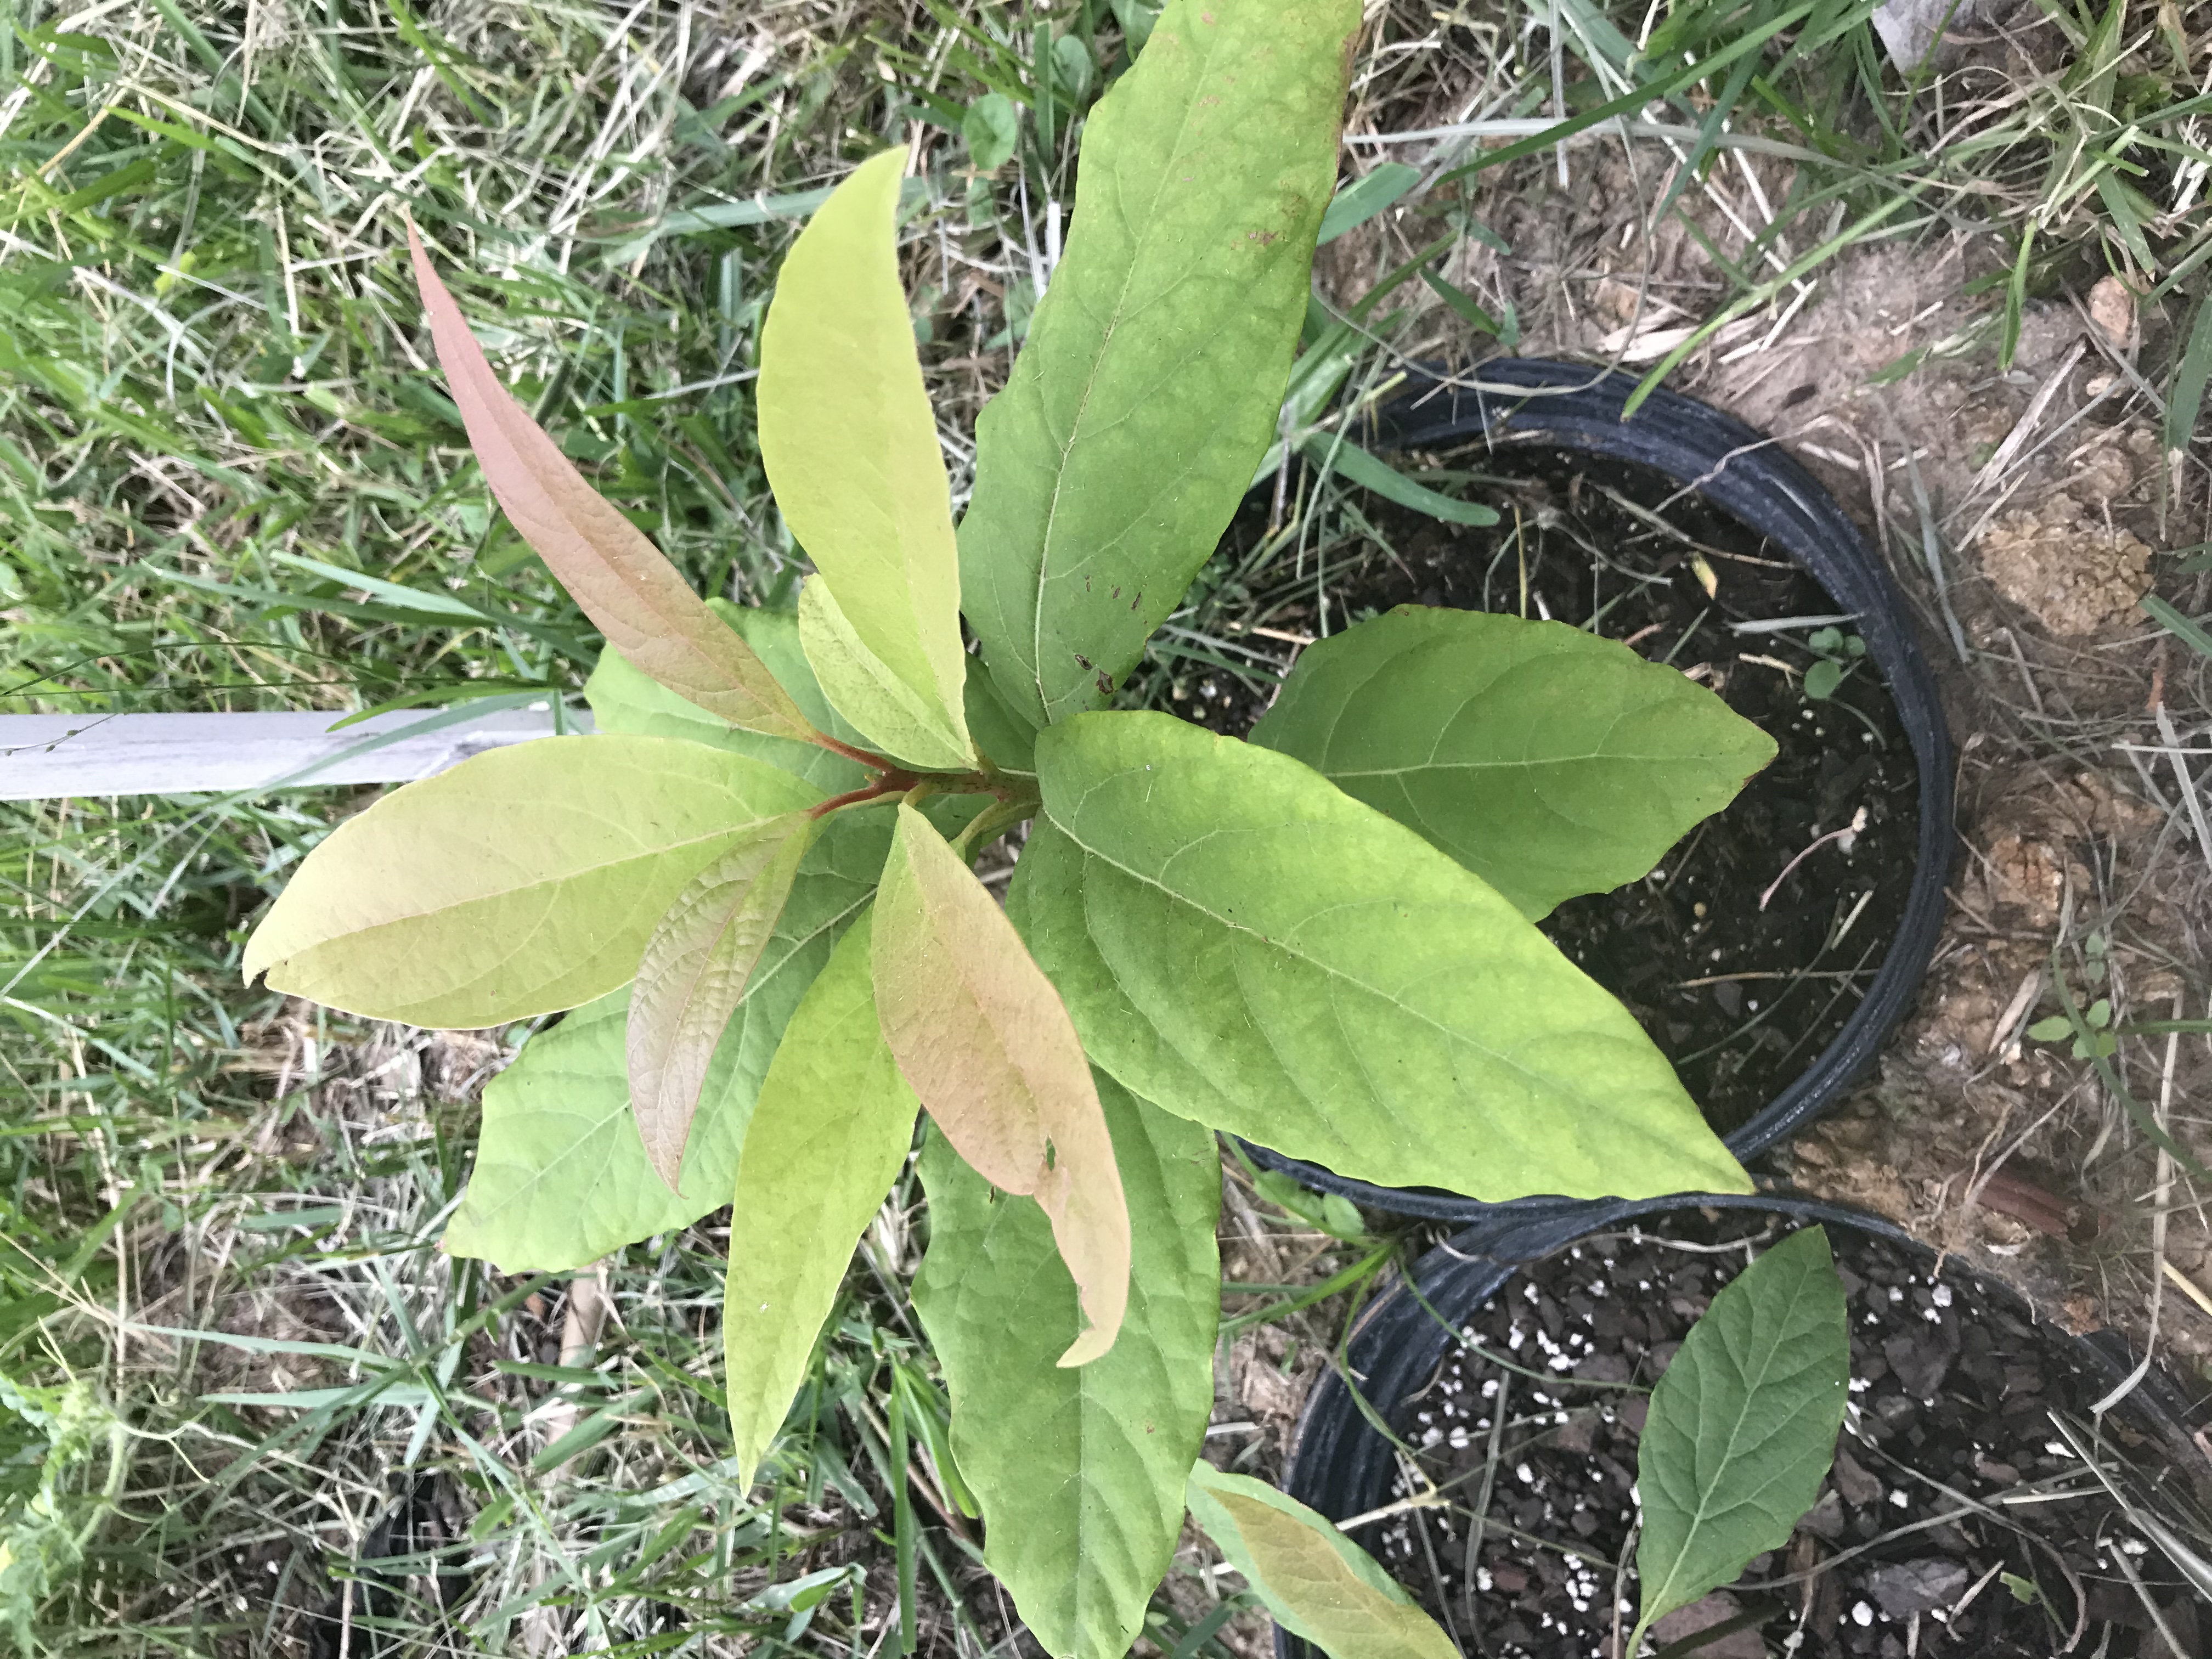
[1093,1344]
[667,1161]
[427,281]
[650,1115]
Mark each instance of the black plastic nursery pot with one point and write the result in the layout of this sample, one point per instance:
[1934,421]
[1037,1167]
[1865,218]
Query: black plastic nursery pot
[1958,1520]
[1521,408]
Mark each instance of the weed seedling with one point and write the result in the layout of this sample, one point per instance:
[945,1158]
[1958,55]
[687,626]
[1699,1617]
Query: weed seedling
[1836,653]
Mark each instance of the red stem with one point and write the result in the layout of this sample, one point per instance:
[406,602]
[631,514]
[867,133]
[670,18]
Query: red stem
[893,781]
[873,763]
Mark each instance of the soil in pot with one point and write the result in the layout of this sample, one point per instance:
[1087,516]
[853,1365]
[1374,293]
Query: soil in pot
[1740,966]
[1956,1520]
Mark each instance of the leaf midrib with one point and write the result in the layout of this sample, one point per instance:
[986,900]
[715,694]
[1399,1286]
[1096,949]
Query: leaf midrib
[1509,765]
[708,958]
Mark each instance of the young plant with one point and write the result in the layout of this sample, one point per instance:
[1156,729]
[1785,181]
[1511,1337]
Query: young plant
[1835,655]
[1740,1432]
[1741,1428]
[753,885]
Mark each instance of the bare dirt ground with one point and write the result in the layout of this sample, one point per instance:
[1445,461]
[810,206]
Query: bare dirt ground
[2081,843]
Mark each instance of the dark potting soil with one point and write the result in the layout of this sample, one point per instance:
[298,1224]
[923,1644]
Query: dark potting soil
[1949,1475]
[1740,973]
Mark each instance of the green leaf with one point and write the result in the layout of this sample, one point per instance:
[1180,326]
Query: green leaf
[1362,199]
[1137,19]
[992,129]
[2190,633]
[506,887]
[2192,373]
[986,1041]
[1821,679]
[2052,1029]
[694,974]
[850,444]
[1148,389]
[1340,1216]
[1072,68]
[1742,1425]
[1287,1195]
[1464,305]
[1079,1471]
[618,578]
[1318,1583]
[626,702]
[1007,739]
[1244,945]
[828,1136]
[890,714]
[1548,761]
[1330,1212]
[1328,449]
[561,1175]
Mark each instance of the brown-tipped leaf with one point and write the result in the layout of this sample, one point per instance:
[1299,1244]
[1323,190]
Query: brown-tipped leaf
[694,974]
[621,580]
[987,1043]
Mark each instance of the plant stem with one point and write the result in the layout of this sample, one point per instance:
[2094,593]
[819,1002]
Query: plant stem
[873,763]
[891,782]
[1016,800]
[992,821]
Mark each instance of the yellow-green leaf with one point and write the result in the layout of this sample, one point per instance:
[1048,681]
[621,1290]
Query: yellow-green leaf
[1318,1583]
[1243,944]
[884,708]
[850,442]
[526,880]
[828,1133]
[694,974]
[986,1041]
[618,578]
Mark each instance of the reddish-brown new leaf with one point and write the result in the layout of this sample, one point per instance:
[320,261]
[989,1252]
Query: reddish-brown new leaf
[696,970]
[985,1041]
[612,569]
